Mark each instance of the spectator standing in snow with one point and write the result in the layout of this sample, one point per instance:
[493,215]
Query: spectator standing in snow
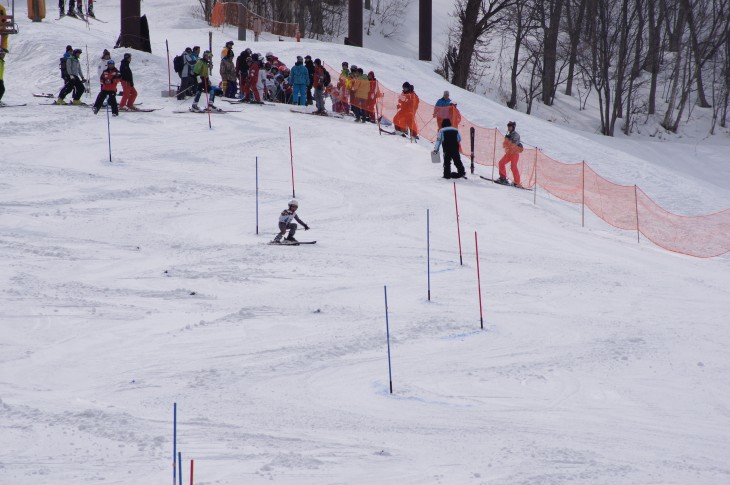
[512,148]
[62,65]
[310,69]
[228,76]
[109,79]
[101,67]
[228,48]
[187,76]
[286,224]
[299,79]
[449,138]
[129,95]
[405,118]
[319,82]
[444,109]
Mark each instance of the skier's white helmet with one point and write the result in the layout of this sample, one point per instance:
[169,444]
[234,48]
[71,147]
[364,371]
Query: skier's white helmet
[294,203]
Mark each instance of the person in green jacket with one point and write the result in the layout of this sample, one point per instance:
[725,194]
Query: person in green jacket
[202,69]
[2,73]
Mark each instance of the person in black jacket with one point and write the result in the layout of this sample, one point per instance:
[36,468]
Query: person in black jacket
[310,67]
[450,139]
[129,93]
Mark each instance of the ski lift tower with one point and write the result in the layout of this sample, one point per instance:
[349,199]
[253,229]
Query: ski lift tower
[7,24]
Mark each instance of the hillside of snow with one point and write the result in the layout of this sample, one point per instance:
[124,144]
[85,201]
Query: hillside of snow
[128,286]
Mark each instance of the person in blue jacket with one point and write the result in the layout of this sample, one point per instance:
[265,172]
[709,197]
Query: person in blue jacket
[299,79]
[450,139]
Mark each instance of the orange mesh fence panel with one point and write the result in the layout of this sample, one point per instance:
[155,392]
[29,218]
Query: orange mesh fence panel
[227,13]
[560,179]
[701,236]
[615,204]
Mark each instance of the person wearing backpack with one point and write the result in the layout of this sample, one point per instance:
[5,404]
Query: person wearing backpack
[62,65]
[450,139]
[512,148]
[187,77]
[76,79]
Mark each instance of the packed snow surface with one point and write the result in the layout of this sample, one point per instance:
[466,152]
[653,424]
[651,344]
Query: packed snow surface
[128,286]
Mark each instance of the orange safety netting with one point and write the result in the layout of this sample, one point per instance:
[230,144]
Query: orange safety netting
[625,207]
[228,13]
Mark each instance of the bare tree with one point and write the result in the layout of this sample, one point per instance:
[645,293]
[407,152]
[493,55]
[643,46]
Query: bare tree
[549,14]
[574,14]
[474,18]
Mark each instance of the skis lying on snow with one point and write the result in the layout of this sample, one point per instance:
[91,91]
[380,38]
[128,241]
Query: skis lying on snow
[289,243]
[139,110]
[11,105]
[326,114]
[44,95]
[508,184]
[66,104]
[213,111]
[240,101]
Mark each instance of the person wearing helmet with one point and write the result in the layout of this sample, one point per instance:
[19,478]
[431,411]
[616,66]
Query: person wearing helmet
[445,108]
[512,148]
[285,223]
[228,48]
[450,138]
[405,118]
[202,69]
[109,79]
[76,79]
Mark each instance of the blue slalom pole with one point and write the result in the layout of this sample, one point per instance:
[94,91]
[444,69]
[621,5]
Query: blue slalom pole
[109,131]
[428,250]
[257,195]
[387,334]
[179,465]
[174,442]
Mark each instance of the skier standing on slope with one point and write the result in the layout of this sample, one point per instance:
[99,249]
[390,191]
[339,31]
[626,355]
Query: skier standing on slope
[450,138]
[109,79]
[130,93]
[202,69]
[76,79]
[512,148]
[285,222]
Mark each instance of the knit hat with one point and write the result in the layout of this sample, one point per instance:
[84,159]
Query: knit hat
[446,94]
[105,53]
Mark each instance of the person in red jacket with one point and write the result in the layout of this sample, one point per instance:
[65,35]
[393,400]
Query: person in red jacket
[253,79]
[109,79]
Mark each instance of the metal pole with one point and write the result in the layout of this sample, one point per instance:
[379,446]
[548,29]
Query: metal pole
[387,335]
[257,195]
[428,251]
[479,282]
[583,202]
[458,226]
[494,152]
[291,157]
[636,199]
[174,443]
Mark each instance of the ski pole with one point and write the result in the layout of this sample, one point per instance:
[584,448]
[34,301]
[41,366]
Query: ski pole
[109,130]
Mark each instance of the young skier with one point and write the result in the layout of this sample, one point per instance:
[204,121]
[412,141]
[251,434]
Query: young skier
[512,148]
[109,79]
[285,223]
[130,93]
[202,69]
[76,79]
[450,138]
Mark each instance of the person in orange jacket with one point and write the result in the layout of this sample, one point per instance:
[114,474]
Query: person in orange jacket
[109,79]
[512,148]
[405,118]
[373,96]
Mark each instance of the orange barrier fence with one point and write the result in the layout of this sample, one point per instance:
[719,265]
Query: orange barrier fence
[228,13]
[624,207]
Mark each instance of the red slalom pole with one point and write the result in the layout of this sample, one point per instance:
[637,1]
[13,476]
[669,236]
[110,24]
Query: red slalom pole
[191,471]
[479,282]
[291,158]
[458,228]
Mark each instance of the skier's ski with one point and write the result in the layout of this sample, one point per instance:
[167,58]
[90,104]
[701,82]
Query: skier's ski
[213,112]
[44,95]
[287,243]
[240,101]
[508,184]
[2,105]
[387,132]
[65,104]
[139,110]
[325,115]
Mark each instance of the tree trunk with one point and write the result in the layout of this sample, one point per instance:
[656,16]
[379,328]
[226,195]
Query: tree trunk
[550,54]
[515,58]
[574,32]
[468,40]
[653,53]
